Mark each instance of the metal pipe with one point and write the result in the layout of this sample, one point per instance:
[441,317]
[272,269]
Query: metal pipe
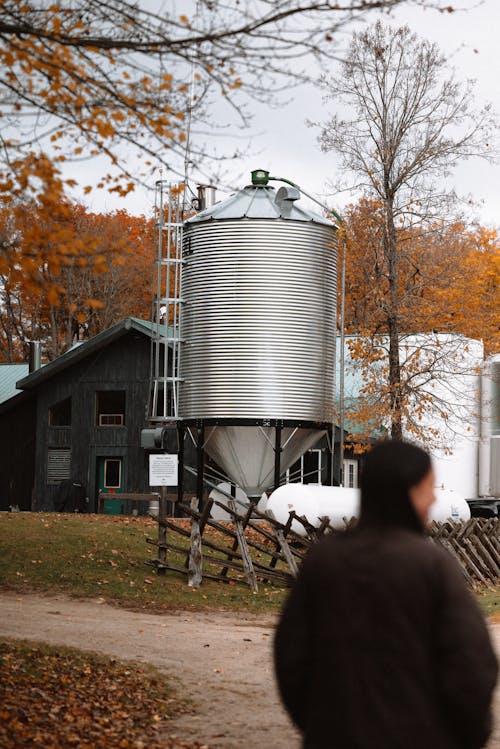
[342,328]
[311,197]
[35,356]
[206,196]
[342,367]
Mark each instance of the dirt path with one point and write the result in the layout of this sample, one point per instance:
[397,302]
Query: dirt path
[222,661]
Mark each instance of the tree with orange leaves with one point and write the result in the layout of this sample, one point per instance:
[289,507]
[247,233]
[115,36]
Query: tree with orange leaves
[124,288]
[466,297]
[448,284]
[448,278]
[104,276]
[119,81]
[38,240]
[117,78]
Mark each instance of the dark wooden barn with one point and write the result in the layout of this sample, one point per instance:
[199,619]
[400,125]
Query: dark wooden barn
[86,410]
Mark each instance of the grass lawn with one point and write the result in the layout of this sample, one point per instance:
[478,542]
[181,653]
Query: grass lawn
[103,556]
[489,600]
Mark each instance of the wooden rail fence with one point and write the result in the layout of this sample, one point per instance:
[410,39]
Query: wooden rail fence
[254,547]
[476,546]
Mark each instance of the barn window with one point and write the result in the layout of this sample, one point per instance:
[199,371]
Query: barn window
[307,469]
[351,474]
[58,465]
[112,473]
[60,413]
[311,467]
[110,408]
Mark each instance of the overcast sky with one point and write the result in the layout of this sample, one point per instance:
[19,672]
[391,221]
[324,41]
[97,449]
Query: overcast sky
[282,143]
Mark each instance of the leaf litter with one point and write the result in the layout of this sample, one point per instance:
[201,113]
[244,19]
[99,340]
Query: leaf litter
[58,698]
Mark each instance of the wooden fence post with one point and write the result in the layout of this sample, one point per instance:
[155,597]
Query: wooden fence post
[195,555]
[245,552]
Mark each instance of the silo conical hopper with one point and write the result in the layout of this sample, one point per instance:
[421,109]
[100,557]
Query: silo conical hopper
[258,330]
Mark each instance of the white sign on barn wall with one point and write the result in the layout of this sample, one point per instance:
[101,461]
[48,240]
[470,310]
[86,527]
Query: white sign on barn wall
[163,470]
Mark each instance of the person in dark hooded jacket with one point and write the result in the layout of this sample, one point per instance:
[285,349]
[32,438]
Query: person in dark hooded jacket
[380,645]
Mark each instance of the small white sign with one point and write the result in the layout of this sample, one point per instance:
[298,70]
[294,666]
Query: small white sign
[163,470]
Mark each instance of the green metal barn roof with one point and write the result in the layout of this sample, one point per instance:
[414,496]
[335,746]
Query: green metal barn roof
[9,375]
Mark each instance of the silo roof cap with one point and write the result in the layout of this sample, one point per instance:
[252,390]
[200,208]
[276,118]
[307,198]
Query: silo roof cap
[260,201]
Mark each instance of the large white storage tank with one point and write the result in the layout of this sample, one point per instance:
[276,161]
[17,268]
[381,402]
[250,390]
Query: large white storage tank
[337,503]
[258,331]
[445,370]
[489,454]
[340,504]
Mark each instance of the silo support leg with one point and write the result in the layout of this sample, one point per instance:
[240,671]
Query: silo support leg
[200,466]
[180,481]
[195,553]
[277,456]
[162,531]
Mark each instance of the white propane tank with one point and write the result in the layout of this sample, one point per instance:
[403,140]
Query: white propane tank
[262,503]
[220,493]
[339,504]
[313,502]
[219,513]
[449,506]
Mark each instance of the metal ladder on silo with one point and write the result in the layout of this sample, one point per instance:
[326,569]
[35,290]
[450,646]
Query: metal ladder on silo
[166,304]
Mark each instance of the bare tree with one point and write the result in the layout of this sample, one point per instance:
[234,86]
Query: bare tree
[114,77]
[409,127]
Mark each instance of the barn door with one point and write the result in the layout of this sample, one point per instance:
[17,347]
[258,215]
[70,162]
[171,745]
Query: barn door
[110,481]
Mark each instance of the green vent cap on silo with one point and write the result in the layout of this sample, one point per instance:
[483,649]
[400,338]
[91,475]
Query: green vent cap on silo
[260,177]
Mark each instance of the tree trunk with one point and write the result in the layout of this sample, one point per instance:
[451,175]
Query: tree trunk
[391,252]
[54,343]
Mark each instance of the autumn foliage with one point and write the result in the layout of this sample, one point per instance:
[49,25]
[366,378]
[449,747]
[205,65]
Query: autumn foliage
[448,283]
[448,280]
[468,300]
[120,79]
[79,92]
[66,273]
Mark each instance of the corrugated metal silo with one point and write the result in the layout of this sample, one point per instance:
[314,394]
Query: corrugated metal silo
[258,330]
